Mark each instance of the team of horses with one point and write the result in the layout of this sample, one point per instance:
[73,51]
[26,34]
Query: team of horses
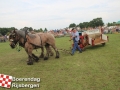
[31,41]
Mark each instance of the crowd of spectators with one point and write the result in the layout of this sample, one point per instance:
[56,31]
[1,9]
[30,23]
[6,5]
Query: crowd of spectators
[104,30]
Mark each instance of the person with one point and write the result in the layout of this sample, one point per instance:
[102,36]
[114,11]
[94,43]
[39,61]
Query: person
[102,29]
[75,38]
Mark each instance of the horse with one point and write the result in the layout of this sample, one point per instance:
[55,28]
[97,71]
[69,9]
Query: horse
[19,36]
[40,40]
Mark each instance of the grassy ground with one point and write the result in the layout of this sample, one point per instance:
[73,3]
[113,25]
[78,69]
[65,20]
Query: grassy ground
[97,68]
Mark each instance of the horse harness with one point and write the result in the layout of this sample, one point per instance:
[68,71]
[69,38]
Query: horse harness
[36,46]
[25,39]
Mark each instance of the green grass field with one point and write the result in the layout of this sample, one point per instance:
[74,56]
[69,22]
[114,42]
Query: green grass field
[97,68]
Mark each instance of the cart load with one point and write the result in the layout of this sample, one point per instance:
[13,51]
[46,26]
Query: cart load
[92,37]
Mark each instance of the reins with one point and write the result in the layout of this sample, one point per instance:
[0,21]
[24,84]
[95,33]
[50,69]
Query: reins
[65,51]
[18,47]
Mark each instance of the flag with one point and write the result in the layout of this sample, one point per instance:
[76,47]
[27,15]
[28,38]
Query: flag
[5,80]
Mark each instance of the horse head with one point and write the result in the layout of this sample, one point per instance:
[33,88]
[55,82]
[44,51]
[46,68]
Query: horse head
[13,38]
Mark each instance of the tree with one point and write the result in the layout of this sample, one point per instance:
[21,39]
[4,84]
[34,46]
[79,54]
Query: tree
[86,24]
[72,25]
[25,28]
[41,30]
[45,30]
[93,23]
[4,31]
[96,22]
[111,24]
[30,29]
[81,25]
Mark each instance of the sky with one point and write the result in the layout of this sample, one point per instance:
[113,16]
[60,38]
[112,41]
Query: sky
[56,14]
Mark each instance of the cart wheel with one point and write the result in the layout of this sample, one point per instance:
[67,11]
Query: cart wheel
[103,44]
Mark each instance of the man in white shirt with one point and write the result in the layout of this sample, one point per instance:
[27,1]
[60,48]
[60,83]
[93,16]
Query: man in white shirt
[75,38]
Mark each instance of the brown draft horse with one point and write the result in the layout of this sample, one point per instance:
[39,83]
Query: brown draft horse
[40,40]
[18,36]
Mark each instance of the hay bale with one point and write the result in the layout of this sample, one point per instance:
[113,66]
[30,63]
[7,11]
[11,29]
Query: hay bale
[94,36]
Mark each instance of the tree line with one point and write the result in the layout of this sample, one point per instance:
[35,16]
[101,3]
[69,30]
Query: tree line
[93,23]
[96,22]
[36,30]
[6,31]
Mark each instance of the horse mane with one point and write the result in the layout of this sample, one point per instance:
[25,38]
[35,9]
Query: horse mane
[21,33]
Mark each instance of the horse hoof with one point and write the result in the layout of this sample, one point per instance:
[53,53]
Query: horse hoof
[41,56]
[57,57]
[36,60]
[45,58]
[29,63]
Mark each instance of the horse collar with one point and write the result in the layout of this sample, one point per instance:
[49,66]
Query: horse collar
[25,39]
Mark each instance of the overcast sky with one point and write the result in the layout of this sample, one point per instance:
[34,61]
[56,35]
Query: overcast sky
[56,14]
